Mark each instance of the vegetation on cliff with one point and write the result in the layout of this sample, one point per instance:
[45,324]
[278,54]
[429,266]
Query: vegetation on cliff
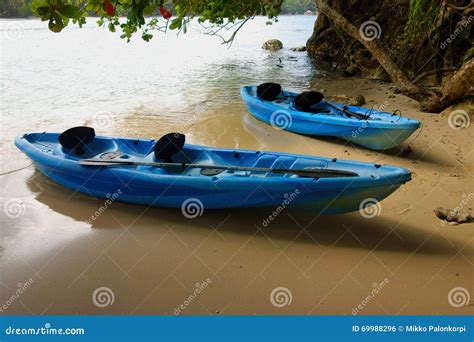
[424,46]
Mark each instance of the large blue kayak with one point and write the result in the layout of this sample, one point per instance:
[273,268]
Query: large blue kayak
[175,187]
[380,131]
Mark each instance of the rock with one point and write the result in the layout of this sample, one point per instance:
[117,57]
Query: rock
[380,74]
[351,70]
[299,48]
[355,100]
[406,151]
[358,100]
[272,45]
[452,215]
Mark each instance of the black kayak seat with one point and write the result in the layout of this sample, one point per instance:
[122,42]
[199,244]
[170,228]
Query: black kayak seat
[306,100]
[168,145]
[268,91]
[76,137]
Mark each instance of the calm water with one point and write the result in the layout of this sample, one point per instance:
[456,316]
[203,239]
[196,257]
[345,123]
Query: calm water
[91,76]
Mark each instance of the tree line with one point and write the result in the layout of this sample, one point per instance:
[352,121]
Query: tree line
[22,8]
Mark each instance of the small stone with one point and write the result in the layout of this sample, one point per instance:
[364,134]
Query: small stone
[299,49]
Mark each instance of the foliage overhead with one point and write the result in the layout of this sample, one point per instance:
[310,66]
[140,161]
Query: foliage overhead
[60,13]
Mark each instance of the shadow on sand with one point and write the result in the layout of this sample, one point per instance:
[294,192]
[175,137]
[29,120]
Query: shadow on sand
[343,231]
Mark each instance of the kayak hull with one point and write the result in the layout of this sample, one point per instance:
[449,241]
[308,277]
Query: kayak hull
[385,131]
[239,189]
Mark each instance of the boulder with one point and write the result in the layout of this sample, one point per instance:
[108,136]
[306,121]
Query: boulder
[351,70]
[272,45]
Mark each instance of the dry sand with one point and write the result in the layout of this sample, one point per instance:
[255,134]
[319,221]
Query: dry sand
[152,259]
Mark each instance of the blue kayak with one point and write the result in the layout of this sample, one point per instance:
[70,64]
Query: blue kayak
[129,166]
[366,127]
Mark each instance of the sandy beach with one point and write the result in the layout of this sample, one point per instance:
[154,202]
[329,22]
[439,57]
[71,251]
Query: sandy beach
[152,260]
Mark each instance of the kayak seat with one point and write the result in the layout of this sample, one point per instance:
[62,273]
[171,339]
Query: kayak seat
[168,145]
[306,100]
[268,91]
[74,139]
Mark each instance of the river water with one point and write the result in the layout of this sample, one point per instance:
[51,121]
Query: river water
[55,81]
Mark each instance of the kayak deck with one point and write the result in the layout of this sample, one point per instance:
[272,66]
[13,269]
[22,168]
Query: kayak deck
[172,186]
[380,130]
[129,150]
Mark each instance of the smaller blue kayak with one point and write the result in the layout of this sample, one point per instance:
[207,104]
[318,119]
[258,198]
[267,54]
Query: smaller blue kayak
[170,173]
[308,113]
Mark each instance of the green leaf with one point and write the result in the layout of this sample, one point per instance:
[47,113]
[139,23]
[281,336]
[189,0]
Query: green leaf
[148,10]
[69,11]
[55,26]
[176,23]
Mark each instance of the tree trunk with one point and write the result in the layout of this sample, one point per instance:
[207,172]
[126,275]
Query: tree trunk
[399,78]
[460,85]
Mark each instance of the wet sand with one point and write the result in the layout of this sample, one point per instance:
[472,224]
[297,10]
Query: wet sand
[154,259]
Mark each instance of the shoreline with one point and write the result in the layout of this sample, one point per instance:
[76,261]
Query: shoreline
[151,258]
